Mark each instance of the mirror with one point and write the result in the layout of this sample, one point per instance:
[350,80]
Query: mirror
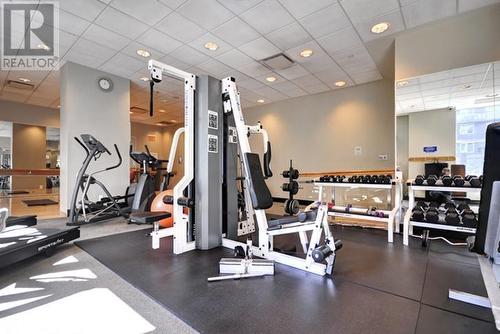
[442,118]
[52,156]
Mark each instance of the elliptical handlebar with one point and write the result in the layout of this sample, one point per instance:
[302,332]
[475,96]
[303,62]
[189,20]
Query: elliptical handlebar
[82,145]
[120,160]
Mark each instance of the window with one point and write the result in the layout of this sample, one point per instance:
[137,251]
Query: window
[466,129]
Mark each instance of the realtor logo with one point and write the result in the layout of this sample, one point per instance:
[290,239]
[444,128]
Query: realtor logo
[30,35]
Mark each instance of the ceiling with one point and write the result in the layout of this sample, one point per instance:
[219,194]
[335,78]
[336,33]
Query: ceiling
[105,34]
[473,86]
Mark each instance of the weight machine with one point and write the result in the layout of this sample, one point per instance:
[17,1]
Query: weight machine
[212,159]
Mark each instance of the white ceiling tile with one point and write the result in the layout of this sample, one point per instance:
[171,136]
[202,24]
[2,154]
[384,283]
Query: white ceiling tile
[236,32]
[325,21]
[159,41]
[294,53]
[235,58]
[11,96]
[179,27]
[362,10]
[71,23]
[267,16]
[90,48]
[270,93]
[307,81]
[199,44]
[214,67]
[239,6]
[355,60]
[249,83]
[293,72]
[66,40]
[425,11]
[131,51]
[105,37]
[174,4]
[189,55]
[254,69]
[363,77]
[319,88]
[285,86]
[88,9]
[126,64]
[147,11]
[262,78]
[209,15]
[289,36]
[295,92]
[120,23]
[300,9]
[259,49]
[82,59]
[394,18]
[340,40]
[40,101]
[330,76]
[466,5]
[173,61]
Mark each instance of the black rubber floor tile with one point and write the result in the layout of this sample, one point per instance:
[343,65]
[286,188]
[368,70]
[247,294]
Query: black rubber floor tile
[443,275]
[433,320]
[442,251]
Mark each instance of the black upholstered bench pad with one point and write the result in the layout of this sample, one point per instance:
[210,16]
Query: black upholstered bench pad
[260,194]
[148,217]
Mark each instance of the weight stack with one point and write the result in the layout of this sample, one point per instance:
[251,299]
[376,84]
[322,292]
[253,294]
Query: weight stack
[491,173]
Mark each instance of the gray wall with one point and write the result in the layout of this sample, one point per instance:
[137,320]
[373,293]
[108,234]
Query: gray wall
[402,144]
[319,132]
[28,114]
[105,115]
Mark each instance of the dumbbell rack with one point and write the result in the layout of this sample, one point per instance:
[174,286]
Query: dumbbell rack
[392,219]
[408,224]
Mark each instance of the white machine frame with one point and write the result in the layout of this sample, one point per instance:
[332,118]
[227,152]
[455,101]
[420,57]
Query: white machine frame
[265,236]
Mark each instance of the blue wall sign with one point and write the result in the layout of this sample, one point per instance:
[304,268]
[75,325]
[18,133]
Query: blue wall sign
[430,149]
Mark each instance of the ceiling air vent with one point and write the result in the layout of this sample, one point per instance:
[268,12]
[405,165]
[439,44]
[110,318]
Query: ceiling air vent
[19,85]
[137,110]
[277,62]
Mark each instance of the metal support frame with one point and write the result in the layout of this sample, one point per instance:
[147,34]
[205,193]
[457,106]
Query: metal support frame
[264,248]
[182,223]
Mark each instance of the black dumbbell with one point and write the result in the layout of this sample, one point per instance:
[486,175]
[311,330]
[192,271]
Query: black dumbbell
[475,182]
[450,205]
[419,180]
[469,218]
[360,179]
[323,178]
[452,216]
[365,178]
[435,205]
[374,179]
[468,177]
[350,180]
[421,204]
[431,180]
[447,180]
[463,207]
[417,214]
[341,178]
[458,180]
[432,215]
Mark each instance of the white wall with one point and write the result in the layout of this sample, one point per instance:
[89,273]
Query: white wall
[430,128]
[319,132]
[87,109]
[28,114]
[402,145]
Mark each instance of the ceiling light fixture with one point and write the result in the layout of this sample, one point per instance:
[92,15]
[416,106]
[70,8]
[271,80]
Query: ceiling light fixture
[492,95]
[271,79]
[43,47]
[173,121]
[261,101]
[412,106]
[143,53]
[130,112]
[467,86]
[24,80]
[162,110]
[144,79]
[402,83]
[211,46]
[59,106]
[380,27]
[160,124]
[340,83]
[306,53]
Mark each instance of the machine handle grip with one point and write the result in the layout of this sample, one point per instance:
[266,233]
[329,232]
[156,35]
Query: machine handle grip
[82,145]
[119,158]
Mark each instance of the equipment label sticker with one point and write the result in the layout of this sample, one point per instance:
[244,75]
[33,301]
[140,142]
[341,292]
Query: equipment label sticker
[213,144]
[213,120]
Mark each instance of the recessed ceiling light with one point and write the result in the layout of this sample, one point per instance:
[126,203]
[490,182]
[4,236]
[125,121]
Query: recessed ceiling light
[340,83]
[143,53]
[162,110]
[43,47]
[59,106]
[130,112]
[144,79]
[492,95]
[271,79]
[160,124]
[23,79]
[467,86]
[306,53]
[211,46]
[380,27]
[402,83]
[412,106]
[261,101]
[173,121]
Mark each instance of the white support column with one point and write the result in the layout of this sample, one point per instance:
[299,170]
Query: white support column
[85,108]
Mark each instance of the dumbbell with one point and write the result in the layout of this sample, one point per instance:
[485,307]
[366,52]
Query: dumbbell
[417,214]
[452,216]
[450,205]
[294,173]
[340,178]
[359,179]
[365,178]
[350,179]
[385,179]
[458,180]
[447,180]
[374,179]
[323,178]
[475,182]
[435,205]
[469,218]
[468,177]
[431,180]
[419,180]
[432,215]
[463,207]
[421,204]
